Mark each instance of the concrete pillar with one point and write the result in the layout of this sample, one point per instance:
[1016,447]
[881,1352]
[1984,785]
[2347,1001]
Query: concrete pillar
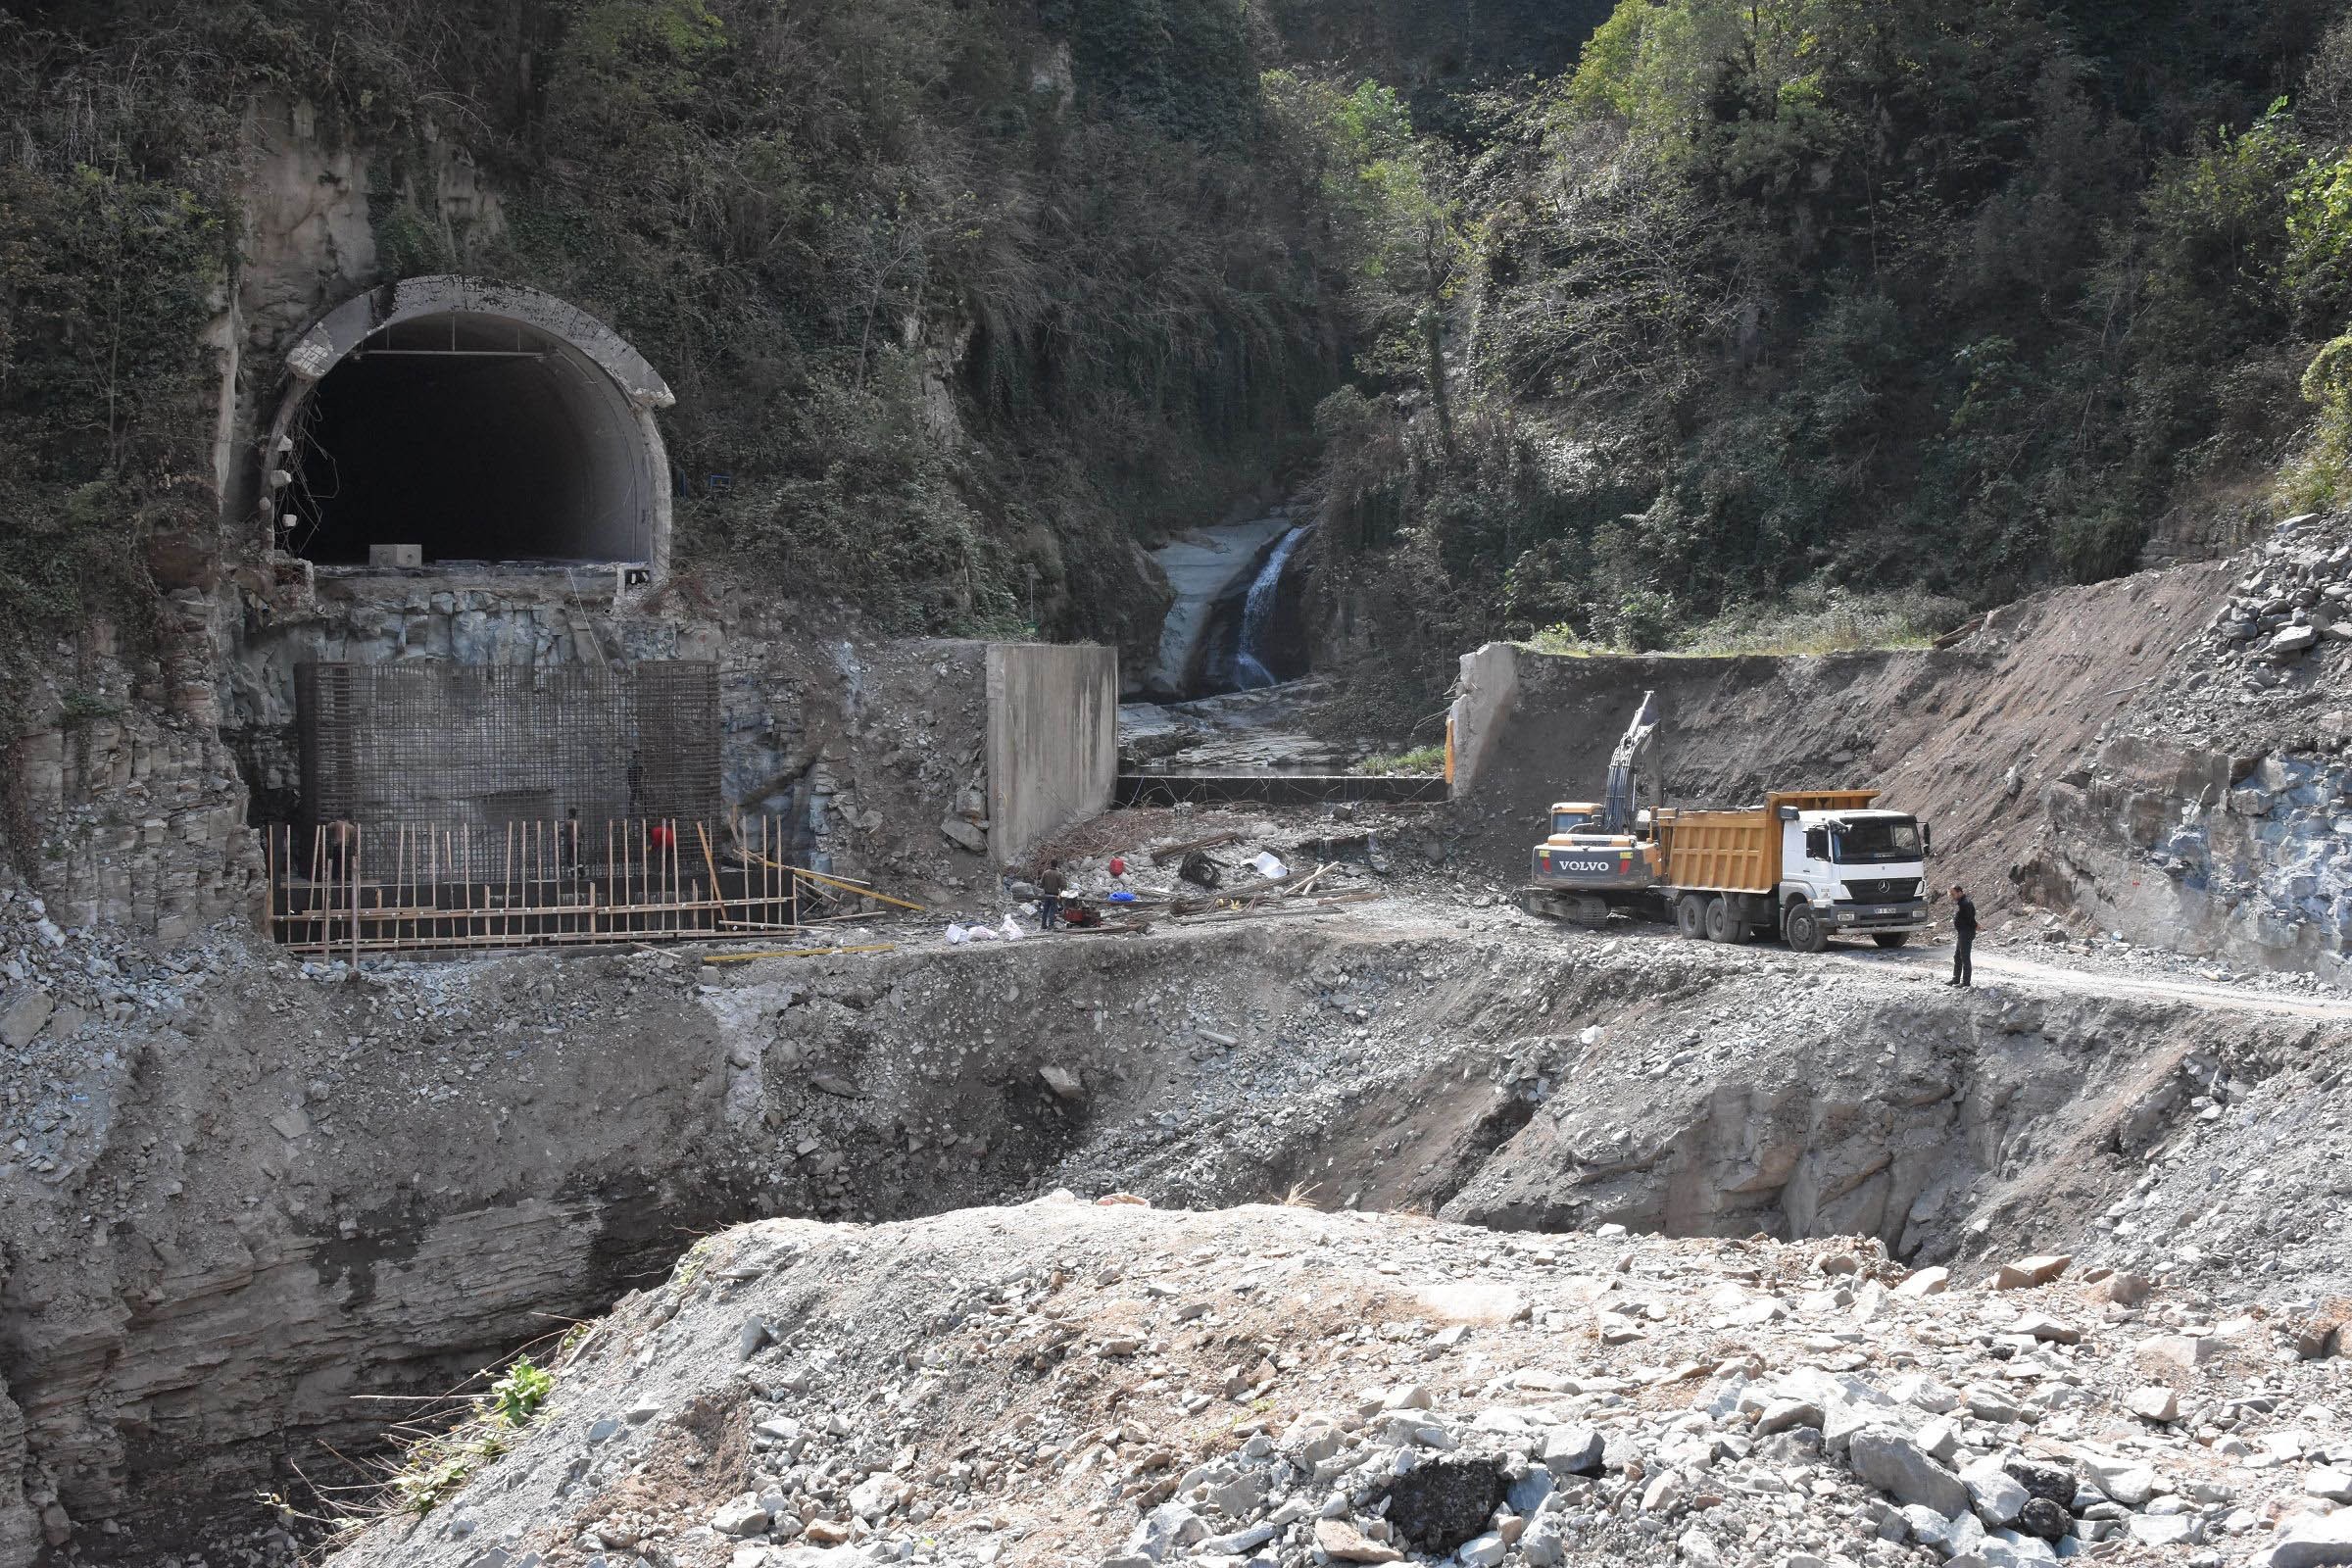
[1052,741]
[1483,700]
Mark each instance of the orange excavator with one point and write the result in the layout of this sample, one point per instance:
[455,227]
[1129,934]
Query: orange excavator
[1602,857]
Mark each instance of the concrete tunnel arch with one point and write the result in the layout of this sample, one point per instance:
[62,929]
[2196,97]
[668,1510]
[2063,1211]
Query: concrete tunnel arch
[483,422]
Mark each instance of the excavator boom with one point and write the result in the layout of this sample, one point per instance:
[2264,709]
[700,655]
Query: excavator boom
[1587,868]
[1619,811]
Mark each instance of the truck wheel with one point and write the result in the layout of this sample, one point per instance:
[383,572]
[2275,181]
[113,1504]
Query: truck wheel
[1722,921]
[1691,916]
[1806,933]
[1890,938]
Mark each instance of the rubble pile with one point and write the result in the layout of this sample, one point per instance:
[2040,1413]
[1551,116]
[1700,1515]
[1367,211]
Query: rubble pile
[2259,678]
[1104,1383]
[2296,596]
[71,998]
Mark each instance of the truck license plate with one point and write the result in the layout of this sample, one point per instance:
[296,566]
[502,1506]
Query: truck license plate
[1891,908]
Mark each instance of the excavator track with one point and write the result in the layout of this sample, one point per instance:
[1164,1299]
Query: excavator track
[1576,908]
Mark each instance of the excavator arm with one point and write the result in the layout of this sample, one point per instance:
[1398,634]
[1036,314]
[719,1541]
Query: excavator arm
[1620,808]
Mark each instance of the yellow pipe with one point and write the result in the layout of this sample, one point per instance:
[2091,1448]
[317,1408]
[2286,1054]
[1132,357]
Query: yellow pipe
[836,882]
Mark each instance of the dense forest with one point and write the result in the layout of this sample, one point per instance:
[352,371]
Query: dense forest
[1076,211]
[1599,324]
[1813,301]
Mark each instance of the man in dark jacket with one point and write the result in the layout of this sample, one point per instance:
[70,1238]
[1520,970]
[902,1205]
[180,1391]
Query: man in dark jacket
[1052,885]
[1964,934]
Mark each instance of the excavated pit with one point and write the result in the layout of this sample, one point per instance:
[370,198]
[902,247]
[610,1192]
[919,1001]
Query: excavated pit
[315,1189]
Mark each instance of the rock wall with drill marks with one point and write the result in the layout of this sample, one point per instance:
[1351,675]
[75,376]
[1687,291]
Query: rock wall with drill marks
[2229,856]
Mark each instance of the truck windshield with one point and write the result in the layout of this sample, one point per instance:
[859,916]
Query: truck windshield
[1872,842]
[1565,822]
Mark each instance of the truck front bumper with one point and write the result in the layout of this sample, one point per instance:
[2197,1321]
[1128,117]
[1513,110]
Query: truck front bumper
[1911,917]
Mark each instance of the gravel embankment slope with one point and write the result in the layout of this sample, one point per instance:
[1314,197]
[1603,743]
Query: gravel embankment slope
[1073,1383]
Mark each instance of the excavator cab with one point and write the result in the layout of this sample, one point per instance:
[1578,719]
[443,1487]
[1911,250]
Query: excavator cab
[1571,817]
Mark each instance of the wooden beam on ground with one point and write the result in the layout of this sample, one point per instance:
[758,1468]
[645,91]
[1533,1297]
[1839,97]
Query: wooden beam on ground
[1177,852]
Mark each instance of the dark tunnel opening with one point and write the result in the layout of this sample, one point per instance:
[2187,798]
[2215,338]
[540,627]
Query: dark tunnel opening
[475,439]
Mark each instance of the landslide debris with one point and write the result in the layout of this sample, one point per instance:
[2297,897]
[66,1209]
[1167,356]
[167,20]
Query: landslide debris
[1106,1383]
[2270,659]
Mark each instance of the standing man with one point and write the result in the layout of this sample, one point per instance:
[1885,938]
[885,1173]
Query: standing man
[1050,888]
[1963,932]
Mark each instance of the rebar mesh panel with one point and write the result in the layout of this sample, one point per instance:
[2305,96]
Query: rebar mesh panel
[477,748]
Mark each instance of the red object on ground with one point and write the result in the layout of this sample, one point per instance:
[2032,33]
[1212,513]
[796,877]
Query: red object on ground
[664,837]
[1118,866]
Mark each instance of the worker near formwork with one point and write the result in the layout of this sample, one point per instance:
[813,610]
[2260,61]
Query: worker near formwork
[1051,887]
[1964,936]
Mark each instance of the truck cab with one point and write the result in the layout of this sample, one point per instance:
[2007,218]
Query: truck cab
[1859,871]
[1806,864]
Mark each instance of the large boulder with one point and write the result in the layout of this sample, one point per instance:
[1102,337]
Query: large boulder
[1902,1470]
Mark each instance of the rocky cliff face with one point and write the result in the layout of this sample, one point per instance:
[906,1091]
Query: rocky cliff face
[1846,1110]
[2212,816]
[2232,856]
[133,808]
[22,1527]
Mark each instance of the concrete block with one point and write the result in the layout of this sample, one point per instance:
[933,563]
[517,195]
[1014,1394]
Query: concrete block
[1052,741]
[1484,697]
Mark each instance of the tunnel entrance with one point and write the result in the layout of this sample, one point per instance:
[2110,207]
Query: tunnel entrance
[472,439]
[442,421]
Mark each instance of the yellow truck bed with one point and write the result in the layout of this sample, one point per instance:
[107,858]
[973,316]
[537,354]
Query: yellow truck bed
[1740,852]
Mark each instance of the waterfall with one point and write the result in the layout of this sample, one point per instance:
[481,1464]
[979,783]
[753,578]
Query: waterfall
[1257,612]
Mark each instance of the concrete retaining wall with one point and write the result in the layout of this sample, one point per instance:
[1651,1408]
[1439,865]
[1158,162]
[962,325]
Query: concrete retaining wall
[1052,741]
[1483,700]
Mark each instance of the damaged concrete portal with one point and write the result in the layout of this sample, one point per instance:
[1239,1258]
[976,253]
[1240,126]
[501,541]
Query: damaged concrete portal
[475,421]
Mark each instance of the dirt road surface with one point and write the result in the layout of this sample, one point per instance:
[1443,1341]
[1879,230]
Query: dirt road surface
[1933,966]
